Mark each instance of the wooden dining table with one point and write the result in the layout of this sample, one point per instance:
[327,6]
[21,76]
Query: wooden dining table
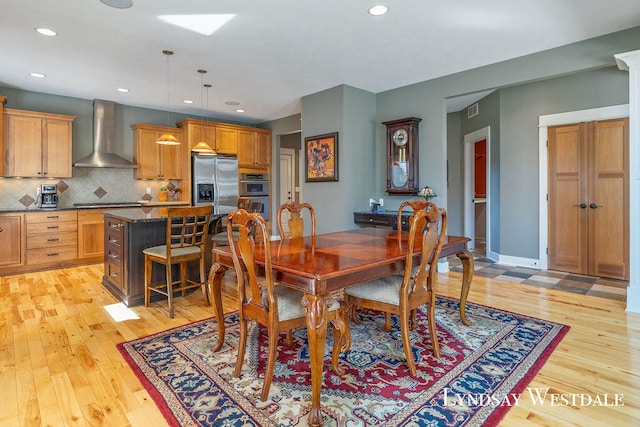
[321,265]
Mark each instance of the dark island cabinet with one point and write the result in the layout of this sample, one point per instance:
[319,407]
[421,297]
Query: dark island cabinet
[128,232]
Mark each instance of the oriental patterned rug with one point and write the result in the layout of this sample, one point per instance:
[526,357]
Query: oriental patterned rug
[482,371]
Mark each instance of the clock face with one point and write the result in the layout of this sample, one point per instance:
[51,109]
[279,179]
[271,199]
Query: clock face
[400,137]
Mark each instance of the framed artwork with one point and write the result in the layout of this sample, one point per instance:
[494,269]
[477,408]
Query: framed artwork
[321,157]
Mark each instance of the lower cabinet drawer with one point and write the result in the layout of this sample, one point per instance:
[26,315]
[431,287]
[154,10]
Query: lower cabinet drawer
[53,254]
[42,241]
[114,273]
[113,253]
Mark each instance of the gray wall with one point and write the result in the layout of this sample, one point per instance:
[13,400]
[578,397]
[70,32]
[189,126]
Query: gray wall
[528,88]
[455,173]
[520,107]
[351,113]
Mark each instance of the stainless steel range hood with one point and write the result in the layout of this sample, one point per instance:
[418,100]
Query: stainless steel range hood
[103,139]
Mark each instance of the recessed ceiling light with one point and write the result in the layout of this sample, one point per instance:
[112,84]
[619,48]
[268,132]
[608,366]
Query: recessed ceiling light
[378,10]
[123,90]
[38,75]
[46,32]
[239,110]
[188,101]
[118,4]
[232,103]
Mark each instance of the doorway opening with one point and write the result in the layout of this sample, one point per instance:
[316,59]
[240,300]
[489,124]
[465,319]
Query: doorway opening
[477,189]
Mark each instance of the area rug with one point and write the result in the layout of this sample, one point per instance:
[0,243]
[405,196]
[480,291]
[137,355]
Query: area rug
[482,371]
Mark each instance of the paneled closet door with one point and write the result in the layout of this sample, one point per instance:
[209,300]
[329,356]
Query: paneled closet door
[589,198]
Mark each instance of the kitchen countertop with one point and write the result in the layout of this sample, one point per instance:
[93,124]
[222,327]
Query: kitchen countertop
[94,205]
[143,214]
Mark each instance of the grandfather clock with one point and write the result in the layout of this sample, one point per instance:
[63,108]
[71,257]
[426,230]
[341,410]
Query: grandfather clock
[402,156]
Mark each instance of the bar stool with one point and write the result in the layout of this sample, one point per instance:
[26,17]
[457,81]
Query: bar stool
[186,231]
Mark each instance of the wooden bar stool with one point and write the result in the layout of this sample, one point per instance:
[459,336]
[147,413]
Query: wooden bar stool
[186,231]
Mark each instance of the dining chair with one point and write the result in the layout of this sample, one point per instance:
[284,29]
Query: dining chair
[296,222]
[186,231]
[219,236]
[276,307]
[403,294]
[415,205]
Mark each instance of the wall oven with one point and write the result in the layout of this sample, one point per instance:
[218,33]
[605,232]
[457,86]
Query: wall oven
[256,187]
[254,184]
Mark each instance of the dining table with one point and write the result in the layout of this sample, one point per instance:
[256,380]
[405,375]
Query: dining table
[324,264]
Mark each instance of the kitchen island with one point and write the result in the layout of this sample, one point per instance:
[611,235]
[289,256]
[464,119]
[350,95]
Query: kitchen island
[127,233]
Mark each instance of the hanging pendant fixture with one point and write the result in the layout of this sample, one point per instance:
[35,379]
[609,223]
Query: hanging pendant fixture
[167,138]
[202,147]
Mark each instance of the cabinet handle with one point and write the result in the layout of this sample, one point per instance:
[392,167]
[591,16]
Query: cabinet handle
[52,240]
[53,254]
[52,216]
[1,229]
[52,227]
[581,205]
[593,206]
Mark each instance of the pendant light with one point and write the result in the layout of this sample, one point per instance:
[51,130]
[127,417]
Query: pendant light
[167,138]
[202,147]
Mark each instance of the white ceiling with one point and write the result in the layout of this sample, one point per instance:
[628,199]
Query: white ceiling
[272,53]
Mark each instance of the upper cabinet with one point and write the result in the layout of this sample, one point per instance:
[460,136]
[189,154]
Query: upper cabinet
[37,145]
[157,161]
[254,149]
[224,139]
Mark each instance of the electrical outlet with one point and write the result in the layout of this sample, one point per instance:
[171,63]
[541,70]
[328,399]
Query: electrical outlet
[148,190]
[371,202]
[381,202]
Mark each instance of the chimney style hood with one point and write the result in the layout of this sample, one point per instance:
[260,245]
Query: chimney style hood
[103,138]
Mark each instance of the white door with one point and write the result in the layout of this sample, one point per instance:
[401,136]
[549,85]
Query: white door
[287,178]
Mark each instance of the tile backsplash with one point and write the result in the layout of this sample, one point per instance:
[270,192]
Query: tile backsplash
[88,185]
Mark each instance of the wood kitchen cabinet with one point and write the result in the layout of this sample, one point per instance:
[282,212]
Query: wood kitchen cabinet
[37,145]
[90,234]
[11,240]
[52,237]
[223,138]
[254,149]
[157,161]
[226,139]
[3,100]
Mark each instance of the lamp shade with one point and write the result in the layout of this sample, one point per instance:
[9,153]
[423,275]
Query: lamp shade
[202,147]
[167,139]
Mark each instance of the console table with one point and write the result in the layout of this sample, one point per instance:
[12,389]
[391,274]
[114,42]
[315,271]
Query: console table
[382,219]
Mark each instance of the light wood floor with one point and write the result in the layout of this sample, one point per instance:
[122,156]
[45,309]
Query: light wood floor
[59,364]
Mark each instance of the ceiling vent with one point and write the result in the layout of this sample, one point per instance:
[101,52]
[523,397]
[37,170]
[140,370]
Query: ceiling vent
[472,110]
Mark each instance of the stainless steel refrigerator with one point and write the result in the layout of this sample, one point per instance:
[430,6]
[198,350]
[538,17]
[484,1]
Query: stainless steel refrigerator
[214,181]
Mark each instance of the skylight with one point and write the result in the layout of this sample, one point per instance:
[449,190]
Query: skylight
[202,24]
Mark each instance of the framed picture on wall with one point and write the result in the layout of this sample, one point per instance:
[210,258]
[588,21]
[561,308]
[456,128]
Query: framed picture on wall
[321,157]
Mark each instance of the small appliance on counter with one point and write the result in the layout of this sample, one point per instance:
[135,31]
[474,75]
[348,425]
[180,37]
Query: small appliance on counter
[48,197]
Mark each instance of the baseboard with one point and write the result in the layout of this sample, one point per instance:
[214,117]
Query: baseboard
[517,261]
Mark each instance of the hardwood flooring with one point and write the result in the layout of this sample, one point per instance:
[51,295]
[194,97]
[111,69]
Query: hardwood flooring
[59,364]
